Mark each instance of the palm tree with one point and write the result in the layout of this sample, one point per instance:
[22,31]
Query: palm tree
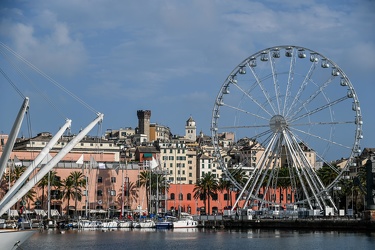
[130,194]
[283,181]
[327,174]
[67,191]
[54,181]
[72,188]
[79,181]
[157,183]
[225,185]
[205,188]
[144,181]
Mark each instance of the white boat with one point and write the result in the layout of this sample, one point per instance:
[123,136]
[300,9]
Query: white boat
[89,224]
[144,224]
[125,224]
[12,239]
[110,224]
[185,221]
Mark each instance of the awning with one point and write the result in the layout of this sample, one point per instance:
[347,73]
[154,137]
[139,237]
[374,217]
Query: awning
[54,212]
[40,212]
[13,213]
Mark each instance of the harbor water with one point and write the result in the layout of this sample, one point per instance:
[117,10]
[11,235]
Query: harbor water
[186,239]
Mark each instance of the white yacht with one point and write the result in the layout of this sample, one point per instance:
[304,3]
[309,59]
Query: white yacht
[185,221]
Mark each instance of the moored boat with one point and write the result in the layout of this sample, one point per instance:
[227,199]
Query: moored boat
[185,221]
[164,225]
[12,239]
[125,224]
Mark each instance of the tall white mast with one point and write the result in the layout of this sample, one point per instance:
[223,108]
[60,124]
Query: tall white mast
[12,136]
[20,181]
[42,172]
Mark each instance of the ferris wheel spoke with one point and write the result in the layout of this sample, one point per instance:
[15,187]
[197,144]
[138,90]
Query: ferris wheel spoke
[244,111]
[301,88]
[321,138]
[238,127]
[319,156]
[328,105]
[275,82]
[313,181]
[320,123]
[291,147]
[264,91]
[319,91]
[246,93]
[290,78]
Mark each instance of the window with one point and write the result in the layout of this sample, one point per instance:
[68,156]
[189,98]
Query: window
[100,179]
[99,192]
[188,197]
[226,197]
[202,197]
[214,197]
[172,196]
[113,179]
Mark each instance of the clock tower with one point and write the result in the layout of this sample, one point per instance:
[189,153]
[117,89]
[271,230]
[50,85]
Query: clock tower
[190,129]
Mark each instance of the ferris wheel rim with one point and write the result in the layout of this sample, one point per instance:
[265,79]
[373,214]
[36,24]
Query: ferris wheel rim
[231,79]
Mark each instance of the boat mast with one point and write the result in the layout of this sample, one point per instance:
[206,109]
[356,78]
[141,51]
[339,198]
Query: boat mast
[12,136]
[43,171]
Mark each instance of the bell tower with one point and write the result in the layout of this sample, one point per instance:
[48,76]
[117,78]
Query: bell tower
[144,122]
[190,129]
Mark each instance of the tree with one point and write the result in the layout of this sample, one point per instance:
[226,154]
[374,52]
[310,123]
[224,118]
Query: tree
[206,187]
[130,192]
[54,182]
[11,178]
[157,182]
[79,181]
[225,185]
[283,180]
[327,174]
[72,188]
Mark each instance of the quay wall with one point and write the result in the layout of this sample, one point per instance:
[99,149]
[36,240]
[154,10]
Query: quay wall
[297,224]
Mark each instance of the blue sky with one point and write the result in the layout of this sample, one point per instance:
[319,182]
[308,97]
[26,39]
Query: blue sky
[171,56]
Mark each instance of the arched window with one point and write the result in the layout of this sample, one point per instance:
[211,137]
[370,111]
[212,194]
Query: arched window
[188,196]
[172,196]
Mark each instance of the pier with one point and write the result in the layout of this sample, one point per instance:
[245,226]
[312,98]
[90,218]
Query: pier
[293,224]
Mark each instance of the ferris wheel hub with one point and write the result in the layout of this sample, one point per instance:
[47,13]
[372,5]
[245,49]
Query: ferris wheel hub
[278,123]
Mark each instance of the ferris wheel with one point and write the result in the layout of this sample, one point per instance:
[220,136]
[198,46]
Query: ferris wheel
[280,115]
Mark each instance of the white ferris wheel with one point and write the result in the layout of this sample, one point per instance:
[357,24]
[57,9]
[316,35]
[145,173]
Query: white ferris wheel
[282,113]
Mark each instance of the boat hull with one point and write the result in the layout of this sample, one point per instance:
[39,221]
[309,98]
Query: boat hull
[164,225]
[12,239]
[185,224]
